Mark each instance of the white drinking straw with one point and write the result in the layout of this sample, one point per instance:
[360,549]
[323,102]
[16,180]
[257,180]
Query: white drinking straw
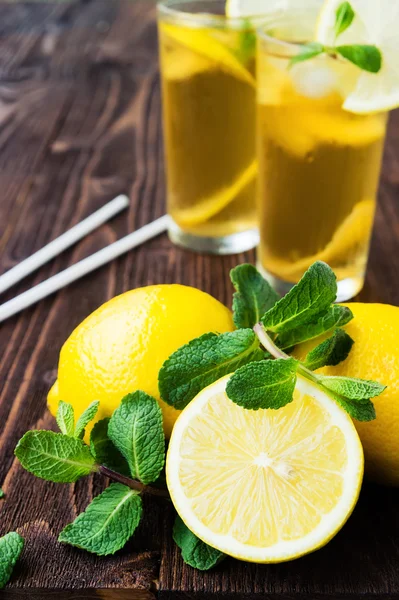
[85,266]
[63,242]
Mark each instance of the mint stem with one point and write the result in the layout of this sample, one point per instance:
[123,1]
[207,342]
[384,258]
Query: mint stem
[132,483]
[275,351]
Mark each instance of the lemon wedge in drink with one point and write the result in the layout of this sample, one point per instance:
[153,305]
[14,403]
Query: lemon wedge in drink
[375,23]
[202,43]
[269,485]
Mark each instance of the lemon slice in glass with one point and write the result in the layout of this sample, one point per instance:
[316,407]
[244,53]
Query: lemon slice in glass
[269,485]
[375,23]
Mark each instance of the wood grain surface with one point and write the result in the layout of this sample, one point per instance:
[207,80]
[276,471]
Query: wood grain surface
[80,123]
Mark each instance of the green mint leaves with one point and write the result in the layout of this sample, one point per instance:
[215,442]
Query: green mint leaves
[136,431]
[330,352]
[104,451]
[305,301]
[194,552]
[107,523]
[266,384]
[203,361]
[11,546]
[66,419]
[254,296]
[54,456]
[365,57]
[343,18]
[351,388]
[85,418]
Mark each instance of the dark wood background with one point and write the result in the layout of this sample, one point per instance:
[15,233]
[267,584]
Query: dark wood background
[80,123]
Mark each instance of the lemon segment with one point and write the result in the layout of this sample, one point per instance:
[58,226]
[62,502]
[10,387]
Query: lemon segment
[202,43]
[375,23]
[264,486]
[206,209]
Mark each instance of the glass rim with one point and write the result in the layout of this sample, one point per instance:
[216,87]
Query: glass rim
[168,8]
[289,47]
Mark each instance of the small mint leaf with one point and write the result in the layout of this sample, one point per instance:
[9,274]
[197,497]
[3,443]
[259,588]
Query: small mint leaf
[2,494]
[307,52]
[54,456]
[330,352]
[104,451]
[85,418]
[203,361]
[247,43]
[65,418]
[363,411]
[107,523]
[367,58]
[352,388]
[335,316]
[265,384]
[195,552]
[253,297]
[135,428]
[343,18]
[11,546]
[314,293]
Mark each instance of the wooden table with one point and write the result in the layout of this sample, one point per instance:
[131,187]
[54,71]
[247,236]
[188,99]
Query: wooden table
[79,123]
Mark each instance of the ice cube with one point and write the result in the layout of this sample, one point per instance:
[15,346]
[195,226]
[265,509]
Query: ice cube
[313,81]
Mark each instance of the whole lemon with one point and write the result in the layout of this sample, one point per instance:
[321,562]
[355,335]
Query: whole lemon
[122,345]
[374,355]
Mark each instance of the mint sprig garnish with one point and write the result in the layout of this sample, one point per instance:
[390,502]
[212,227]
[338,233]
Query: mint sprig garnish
[364,56]
[195,552]
[107,523]
[253,297]
[11,546]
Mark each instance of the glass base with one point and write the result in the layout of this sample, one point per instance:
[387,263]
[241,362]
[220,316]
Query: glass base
[229,244]
[347,288]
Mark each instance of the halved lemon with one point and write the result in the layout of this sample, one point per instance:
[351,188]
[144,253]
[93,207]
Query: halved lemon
[375,23]
[264,486]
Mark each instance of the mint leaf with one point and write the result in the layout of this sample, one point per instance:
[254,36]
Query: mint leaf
[247,43]
[361,411]
[265,384]
[352,388]
[54,456]
[85,418]
[194,551]
[107,523]
[136,430]
[11,546]
[330,352]
[203,361]
[254,296]
[367,58]
[343,18]
[104,451]
[314,293]
[65,418]
[335,316]
[307,52]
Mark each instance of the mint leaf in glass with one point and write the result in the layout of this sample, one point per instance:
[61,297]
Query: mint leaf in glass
[352,388]
[104,451]
[253,297]
[65,418]
[344,17]
[11,546]
[314,293]
[204,360]
[335,316]
[107,523]
[54,456]
[368,58]
[194,551]
[135,428]
[85,418]
[266,384]
[330,352]
[307,51]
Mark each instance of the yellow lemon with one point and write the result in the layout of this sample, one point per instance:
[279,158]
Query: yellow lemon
[266,485]
[375,355]
[121,346]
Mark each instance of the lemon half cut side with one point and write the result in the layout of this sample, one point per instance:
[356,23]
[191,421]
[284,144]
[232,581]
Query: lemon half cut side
[269,485]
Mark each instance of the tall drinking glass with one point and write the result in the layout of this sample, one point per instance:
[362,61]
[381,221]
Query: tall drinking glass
[208,85]
[319,165]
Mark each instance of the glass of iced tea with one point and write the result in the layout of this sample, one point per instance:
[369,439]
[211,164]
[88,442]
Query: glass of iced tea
[319,165]
[208,89]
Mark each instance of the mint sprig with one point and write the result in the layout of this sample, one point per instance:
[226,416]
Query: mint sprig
[364,56]
[194,551]
[253,297]
[11,546]
[331,352]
